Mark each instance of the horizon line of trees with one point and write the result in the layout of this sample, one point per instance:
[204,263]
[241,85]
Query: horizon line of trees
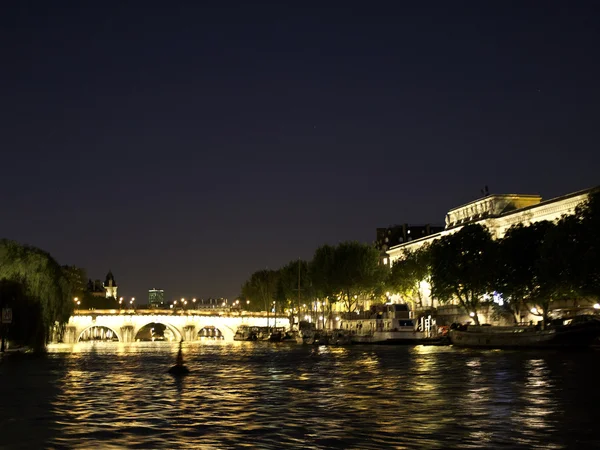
[348,272]
[527,269]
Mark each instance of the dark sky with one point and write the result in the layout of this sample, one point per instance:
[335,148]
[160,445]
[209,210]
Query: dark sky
[186,146]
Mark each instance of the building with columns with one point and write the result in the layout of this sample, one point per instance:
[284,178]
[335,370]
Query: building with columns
[497,212]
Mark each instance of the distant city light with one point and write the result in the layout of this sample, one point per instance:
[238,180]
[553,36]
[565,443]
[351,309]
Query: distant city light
[534,310]
[597,306]
[472,314]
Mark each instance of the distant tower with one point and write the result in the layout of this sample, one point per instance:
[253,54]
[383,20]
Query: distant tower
[110,285]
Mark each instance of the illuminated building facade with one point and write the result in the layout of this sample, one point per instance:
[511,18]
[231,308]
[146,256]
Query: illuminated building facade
[497,212]
[398,234]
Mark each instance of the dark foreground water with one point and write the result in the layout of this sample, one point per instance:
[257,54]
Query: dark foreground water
[266,396]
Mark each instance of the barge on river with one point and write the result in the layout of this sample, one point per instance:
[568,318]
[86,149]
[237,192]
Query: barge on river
[577,332]
[390,324]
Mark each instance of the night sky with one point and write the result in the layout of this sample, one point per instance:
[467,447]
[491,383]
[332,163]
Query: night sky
[185,147]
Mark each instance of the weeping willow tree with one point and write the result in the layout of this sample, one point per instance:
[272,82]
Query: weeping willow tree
[35,286]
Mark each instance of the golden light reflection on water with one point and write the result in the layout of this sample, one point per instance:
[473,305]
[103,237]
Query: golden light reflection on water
[539,404]
[259,395]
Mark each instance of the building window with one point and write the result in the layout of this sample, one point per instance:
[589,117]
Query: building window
[385,261]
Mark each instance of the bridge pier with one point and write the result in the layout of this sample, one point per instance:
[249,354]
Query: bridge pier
[70,336]
[189,333]
[127,333]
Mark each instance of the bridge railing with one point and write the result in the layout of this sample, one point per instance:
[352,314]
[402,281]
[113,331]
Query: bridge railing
[172,312]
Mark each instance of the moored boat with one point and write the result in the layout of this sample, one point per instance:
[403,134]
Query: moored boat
[579,331]
[390,325]
[246,333]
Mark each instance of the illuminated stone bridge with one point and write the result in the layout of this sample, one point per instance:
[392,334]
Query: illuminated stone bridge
[191,325]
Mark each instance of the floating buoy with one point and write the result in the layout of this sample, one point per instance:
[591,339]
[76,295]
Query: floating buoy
[179,368]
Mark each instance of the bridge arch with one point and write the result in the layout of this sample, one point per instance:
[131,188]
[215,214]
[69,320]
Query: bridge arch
[213,329]
[111,329]
[178,335]
[125,325]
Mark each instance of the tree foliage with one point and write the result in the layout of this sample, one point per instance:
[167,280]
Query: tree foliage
[294,285]
[37,289]
[462,267]
[261,290]
[408,272]
[517,271]
[346,272]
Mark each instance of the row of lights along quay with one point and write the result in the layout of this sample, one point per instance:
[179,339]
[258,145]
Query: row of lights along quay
[181,304]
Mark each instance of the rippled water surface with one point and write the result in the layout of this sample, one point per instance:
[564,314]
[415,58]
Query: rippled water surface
[264,396]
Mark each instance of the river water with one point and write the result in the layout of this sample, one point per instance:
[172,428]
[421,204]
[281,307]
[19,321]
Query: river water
[271,396]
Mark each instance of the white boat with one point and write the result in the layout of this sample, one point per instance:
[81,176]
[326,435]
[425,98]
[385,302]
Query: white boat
[391,324]
[580,331]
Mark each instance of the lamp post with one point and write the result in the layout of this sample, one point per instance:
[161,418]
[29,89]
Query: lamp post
[131,302]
